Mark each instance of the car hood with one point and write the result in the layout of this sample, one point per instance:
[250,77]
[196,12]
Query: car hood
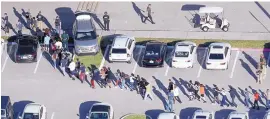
[88,42]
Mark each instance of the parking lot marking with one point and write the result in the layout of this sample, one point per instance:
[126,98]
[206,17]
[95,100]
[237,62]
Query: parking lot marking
[52,115]
[200,70]
[268,59]
[167,70]
[7,57]
[103,59]
[2,48]
[37,63]
[234,64]
[137,60]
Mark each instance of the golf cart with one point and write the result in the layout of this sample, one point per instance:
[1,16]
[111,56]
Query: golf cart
[211,19]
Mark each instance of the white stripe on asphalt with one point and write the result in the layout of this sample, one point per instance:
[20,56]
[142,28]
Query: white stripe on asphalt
[2,48]
[52,115]
[7,57]
[203,61]
[38,63]
[137,60]
[268,60]
[103,59]
[234,64]
[167,70]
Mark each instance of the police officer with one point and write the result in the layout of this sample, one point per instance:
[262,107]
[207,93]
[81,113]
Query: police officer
[106,19]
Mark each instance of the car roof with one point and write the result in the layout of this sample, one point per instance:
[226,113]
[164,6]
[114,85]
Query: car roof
[120,41]
[182,47]
[218,47]
[4,101]
[202,112]
[83,20]
[100,107]
[32,108]
[211,10]
[166,115]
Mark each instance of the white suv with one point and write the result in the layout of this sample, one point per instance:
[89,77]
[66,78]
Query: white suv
[34,111]
[122,49]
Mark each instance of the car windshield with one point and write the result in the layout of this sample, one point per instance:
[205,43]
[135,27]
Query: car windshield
[30,116]
[119,51]
[181,54]
[22,50]
[85,35]
[99,115]
[3,112]
[200,117]
[216,56]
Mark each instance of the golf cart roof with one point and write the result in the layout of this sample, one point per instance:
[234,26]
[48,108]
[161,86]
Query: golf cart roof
[211,10]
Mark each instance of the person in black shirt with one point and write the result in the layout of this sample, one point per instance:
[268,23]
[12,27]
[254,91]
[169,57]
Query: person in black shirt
[28,19]
[106,19]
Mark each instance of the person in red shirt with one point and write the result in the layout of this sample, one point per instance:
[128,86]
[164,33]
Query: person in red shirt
[256,99]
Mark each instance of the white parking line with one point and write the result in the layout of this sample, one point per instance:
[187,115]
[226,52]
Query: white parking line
[167,70]
[52,115]
[103,59]
[204,57]
[234,64]
[268,60]
[3,46]
[38,63]
[7,57]
[137,60]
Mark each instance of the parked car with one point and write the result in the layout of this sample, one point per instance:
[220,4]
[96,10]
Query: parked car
[154,54]
[26,49]
[34,111]
[168,115]
[6,108]
[218,56]
[183,54]
[238,115]
[202,114]
[267,115]
[122,49]
[101,111]
[84,34]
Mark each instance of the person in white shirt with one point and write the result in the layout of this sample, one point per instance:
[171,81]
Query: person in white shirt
[176,94]
[58,45]
[72,67]
[131,81]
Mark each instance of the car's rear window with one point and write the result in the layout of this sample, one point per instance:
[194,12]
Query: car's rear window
[119,51]
[216,56]
[200,117]
[181,54]
[25,50]
[99,116]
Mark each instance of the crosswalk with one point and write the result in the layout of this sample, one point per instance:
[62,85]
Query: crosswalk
[88,6]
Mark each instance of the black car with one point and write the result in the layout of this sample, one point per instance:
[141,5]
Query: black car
[154,54]
[6,108]
[26,50]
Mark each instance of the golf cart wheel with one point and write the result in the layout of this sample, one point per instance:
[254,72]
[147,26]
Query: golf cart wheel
[205,28]
[225,28]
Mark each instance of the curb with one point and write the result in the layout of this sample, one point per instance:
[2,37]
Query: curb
[123,117]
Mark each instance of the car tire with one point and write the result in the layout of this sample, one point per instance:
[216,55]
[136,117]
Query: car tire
[225,28]
[205,28]
[129,62]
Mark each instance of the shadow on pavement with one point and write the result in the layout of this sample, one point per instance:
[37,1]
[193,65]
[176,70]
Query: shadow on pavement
[97,20]
[85,107]
[261,7]
[223,113]
[250,59]
[138,11]
[234,94]
[249,70]
[19,107]
[181,84]
[160,85]
[154,113]
[67,18]
[160,96]
[187,113]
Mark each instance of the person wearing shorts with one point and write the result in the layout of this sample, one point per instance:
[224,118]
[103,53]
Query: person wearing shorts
[46,43]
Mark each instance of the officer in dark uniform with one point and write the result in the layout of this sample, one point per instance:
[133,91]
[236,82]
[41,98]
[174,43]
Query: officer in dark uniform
[106,19]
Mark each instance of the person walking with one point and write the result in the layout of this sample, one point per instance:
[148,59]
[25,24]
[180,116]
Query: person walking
[148,92]
[46,43]
[224,98]
[216,94]
[256,100]
[170,87]
[202,92]
[247,99]
[196,90]
[65,38]
[34,23]
[6,23]
[58,45]
[19,26]
[170,100]
[149,14]
[54,58]
[233,92]
[82,71]
[143,84]
[102,77]
[123,80]
[190,90]
[106,79]
[106,19]
[57,23]
[260,72]
[39,20]
[267,95]
[176,94]
[118,78]
[136,84]
[64,62]
[131,82]
[109,75]
[72,71]
[94,77]
[28,19]
[78,63]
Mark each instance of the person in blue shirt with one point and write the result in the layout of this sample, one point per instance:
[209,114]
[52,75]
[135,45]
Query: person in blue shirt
[170,101]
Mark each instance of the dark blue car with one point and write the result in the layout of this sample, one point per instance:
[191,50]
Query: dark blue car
[6,108]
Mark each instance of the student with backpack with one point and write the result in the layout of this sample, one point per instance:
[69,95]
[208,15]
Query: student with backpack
[202,92]
[131,82]
[109,80]
[118,78]
[123,80]
[82,71]
[216,94]
[176,94]
[190,90]
[196,90]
